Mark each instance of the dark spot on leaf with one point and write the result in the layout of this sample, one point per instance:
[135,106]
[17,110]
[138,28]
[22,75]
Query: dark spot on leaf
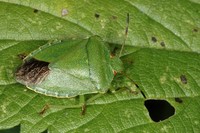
[154,39]
[195,30]
[115,73]
[162,44]
[96,15]
[32,72]
[183,79]
[178,100]
[35,10]
[114,17]
[159,110]
[64,12]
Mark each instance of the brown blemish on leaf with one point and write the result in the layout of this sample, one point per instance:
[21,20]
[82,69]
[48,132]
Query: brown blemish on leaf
[96,15]
[178,100]
[183,79]
[195,30]
[114,17]
[134,92]
[154,39]
[44,109]
[35,10]
[32,72]
[115,73]
[112,56]
[162,44]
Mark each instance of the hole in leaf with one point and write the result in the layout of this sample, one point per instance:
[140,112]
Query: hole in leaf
[159,110]
[154,39]
[178,100]
[183,79]
[162,44]
[96,15]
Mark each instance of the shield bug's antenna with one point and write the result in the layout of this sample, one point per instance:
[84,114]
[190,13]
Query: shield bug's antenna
[126,34]
[135,85]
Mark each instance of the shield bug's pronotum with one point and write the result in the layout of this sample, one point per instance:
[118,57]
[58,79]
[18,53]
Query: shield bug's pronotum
[70,68]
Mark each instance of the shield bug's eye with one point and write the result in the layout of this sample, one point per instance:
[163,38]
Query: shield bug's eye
[32,72]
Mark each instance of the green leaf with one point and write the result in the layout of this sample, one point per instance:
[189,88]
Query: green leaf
[162,46]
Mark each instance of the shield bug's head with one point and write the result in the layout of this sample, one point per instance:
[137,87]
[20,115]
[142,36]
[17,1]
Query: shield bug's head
[116,63]
[32,72]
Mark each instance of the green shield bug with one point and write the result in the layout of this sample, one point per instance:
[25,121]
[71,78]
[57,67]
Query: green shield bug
[70,68]
[83,67]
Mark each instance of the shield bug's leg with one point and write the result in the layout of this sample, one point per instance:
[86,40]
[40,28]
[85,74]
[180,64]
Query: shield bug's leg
[83,109]
[22,56]
[44,109]
[60,107]
[94,97]
[82,103]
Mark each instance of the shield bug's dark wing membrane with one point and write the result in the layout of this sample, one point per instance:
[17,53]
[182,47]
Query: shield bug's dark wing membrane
[32,72]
